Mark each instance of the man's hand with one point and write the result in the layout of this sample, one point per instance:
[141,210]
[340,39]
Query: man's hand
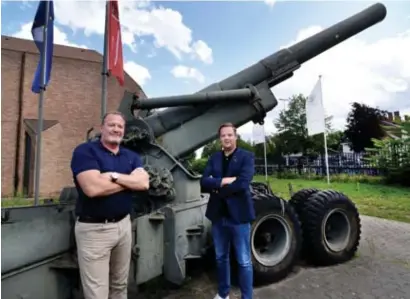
[227,181]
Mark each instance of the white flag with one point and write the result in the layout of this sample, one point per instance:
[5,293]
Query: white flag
[258,133]
[315,114]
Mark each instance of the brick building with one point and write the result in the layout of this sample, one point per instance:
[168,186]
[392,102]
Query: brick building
[71,107]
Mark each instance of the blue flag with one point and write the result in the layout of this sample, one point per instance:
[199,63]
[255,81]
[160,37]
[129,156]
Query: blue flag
[43,19]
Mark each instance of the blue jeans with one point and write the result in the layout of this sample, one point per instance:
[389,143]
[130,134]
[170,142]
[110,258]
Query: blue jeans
[224,232]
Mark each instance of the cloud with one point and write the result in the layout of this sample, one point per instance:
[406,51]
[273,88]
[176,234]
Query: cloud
[25,4]
[375,73]
[270,3]
[60,37]
[184,72]
[138,20]
[202,51]
[137,72]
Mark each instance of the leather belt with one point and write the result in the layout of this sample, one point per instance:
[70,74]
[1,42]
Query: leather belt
[88,219]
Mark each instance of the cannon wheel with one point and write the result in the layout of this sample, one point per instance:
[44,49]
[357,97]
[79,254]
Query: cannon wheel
[299,199]
[331,228]
[276,239]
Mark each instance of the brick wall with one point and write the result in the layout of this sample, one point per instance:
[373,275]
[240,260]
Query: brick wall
[71,107]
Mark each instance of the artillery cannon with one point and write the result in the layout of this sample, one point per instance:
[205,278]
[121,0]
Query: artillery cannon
[169,225]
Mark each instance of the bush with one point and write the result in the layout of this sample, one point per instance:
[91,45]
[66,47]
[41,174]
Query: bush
[399,176]
[198,165]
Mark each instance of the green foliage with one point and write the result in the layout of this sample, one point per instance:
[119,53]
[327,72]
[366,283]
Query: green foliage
[190,158]
[293,119]
[293,135]
[198,166]
[392,153]
[364,126]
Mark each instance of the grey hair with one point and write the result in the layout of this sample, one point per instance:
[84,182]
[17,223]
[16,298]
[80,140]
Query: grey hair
[112,113]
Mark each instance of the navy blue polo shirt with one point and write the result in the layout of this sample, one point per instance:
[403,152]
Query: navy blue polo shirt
[93,155]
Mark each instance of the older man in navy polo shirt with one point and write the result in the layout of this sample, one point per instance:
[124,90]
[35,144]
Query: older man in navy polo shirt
[105,175]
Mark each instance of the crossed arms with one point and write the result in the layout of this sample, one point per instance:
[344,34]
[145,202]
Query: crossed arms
[228,185]
[95,184]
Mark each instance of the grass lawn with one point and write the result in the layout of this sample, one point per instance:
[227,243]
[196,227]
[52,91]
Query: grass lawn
[20,202]
[371,199]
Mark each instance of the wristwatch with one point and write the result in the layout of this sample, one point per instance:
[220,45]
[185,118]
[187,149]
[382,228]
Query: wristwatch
[114,177]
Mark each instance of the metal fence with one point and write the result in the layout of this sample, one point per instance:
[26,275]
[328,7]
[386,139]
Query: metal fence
[345,163]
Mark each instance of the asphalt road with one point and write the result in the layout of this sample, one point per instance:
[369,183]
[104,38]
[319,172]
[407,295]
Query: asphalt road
[380,271]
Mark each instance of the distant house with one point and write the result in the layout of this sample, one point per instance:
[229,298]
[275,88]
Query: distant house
[346,148]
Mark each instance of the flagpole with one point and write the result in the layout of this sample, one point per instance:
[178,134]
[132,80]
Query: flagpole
[325,141]
[266,160]
[105,68]
[40,107]
[326,158]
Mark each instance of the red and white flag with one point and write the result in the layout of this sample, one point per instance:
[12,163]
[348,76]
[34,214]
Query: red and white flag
[115,58]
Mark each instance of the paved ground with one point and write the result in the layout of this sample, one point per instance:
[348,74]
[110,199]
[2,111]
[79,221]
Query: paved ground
[381,271]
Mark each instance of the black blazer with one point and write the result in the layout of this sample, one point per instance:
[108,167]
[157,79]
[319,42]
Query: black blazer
[237,195]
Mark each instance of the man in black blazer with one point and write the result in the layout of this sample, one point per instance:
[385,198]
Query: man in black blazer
[227,177]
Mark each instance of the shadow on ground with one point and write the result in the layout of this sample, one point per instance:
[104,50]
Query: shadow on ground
[200,282]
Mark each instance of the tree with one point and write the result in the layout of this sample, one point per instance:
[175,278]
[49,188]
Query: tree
[363,125]
[292,129]
[334,140]
[189,158]
[211,148]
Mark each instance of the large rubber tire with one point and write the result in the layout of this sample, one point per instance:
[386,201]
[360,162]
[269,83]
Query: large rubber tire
[331,228]
[276,222]
[299,199]
[298,202]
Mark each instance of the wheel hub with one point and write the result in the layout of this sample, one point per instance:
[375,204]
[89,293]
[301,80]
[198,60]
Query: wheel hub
[271,240]
[336,230]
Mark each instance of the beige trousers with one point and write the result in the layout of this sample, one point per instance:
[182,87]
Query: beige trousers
[104,255]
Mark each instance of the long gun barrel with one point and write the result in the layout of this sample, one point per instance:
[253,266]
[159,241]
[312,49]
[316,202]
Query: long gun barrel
[227,96]
[274,68]
[220,102]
